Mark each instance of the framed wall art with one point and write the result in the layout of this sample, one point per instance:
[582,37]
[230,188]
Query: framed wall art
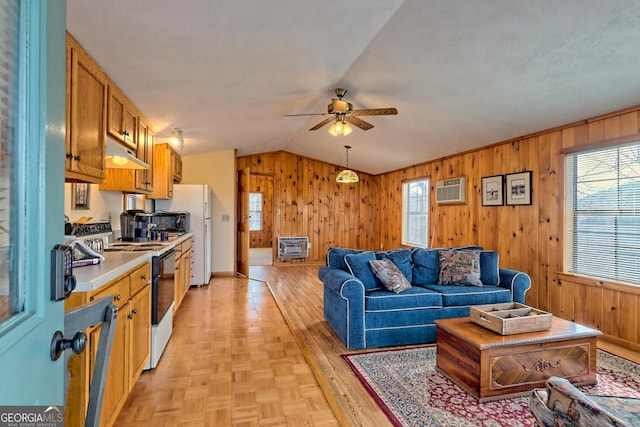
[492,190]
[80,195]
[518,188]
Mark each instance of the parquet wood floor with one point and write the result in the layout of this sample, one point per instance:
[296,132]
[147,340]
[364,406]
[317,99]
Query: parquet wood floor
[234,361]
[231,361]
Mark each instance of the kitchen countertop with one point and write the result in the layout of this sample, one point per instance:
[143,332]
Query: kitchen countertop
[91,277]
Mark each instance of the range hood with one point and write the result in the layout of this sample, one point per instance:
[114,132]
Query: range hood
[118,157]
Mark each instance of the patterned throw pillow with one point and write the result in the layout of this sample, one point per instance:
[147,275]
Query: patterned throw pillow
[459,267]
[390,275]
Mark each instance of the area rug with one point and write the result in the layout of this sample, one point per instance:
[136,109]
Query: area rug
[411,392]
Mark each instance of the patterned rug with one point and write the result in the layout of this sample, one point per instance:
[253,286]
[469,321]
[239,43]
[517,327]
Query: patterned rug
[408,388]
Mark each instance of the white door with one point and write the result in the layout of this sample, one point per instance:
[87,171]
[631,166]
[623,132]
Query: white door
[32,146]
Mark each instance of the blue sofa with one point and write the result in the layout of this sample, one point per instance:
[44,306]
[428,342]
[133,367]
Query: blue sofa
[364,314]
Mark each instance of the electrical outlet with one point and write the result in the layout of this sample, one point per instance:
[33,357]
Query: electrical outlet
[225,218]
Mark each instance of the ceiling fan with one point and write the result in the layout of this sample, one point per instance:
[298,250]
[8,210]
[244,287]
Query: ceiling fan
[342,112]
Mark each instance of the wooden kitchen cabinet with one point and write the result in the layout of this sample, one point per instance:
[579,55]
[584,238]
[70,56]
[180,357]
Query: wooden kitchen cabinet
[184,270]
[86,100]
[121,118]
[130,180]
[165,159]
[177,169]
[139,334]
[130,352]
[144,178]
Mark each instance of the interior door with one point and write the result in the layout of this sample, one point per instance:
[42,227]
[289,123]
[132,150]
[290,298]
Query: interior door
[32,80]
[243,222]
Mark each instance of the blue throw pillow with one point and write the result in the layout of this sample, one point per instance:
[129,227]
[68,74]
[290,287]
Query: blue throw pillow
[401,258]
[358,265]
[335,257]
[489,269]
[426,266]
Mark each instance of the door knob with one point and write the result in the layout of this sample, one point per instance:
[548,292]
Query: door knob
[59,344]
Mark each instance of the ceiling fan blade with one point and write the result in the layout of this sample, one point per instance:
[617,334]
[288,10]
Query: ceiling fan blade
[358,122]
[375,112]
[308,114]
[322,123]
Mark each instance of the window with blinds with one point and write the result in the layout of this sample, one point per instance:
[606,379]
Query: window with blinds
[603,213]
[415,213]
[11,299]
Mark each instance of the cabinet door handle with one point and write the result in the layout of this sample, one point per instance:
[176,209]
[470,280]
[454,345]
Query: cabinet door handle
[69,156]
[117,297]
[144,277]
[77,158]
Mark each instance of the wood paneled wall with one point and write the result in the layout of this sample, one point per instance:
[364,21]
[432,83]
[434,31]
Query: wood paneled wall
[528,238]
[307,201]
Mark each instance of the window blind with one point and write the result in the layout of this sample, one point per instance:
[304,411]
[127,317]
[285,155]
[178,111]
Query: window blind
[603,205]
[11,301]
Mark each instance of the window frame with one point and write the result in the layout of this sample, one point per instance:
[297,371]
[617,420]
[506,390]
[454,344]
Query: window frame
[572,234]
[406,187]
[252,212]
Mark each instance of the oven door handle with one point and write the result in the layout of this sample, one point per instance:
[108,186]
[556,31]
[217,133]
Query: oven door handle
[167,254]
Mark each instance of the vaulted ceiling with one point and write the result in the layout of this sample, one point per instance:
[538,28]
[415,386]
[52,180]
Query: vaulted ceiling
[461,73]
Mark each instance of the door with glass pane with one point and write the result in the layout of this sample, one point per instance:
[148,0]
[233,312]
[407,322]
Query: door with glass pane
[32,130]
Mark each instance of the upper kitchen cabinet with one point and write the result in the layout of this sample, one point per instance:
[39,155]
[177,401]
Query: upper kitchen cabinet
[165,162]
[121,118]
[144,178]
[86,118]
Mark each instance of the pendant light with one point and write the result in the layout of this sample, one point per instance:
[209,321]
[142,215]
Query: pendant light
[347,176]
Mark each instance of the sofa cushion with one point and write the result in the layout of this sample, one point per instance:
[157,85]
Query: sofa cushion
[425,266]
[401,258]
[390,276]
[358,265]
[489,268]
[459,267]
[471,295]
[335,257]
[411,299]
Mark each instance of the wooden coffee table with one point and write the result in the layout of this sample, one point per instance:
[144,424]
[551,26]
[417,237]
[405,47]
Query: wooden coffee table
[491,366]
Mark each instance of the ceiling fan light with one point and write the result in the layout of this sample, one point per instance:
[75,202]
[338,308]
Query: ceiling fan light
[347,176]
[332,130]
[346,129]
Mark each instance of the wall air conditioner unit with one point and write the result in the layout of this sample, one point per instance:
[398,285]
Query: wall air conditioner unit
[451,191]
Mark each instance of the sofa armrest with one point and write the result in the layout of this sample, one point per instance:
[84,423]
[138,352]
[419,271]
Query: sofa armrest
[539,409]
[335,280]
[516,281]
[344,305]
[570,406]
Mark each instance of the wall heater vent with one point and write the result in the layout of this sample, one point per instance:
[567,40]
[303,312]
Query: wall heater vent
[293,247]
[450,191]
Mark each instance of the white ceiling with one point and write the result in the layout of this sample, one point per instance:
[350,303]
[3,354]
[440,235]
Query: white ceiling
[461,73]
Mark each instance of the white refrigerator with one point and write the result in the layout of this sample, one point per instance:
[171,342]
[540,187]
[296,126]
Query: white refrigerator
[195,199]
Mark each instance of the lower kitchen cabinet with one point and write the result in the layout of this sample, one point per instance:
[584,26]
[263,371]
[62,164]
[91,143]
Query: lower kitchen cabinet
[184,271]
[130,351]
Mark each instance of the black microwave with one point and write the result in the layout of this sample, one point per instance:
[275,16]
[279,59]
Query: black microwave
[171,221]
